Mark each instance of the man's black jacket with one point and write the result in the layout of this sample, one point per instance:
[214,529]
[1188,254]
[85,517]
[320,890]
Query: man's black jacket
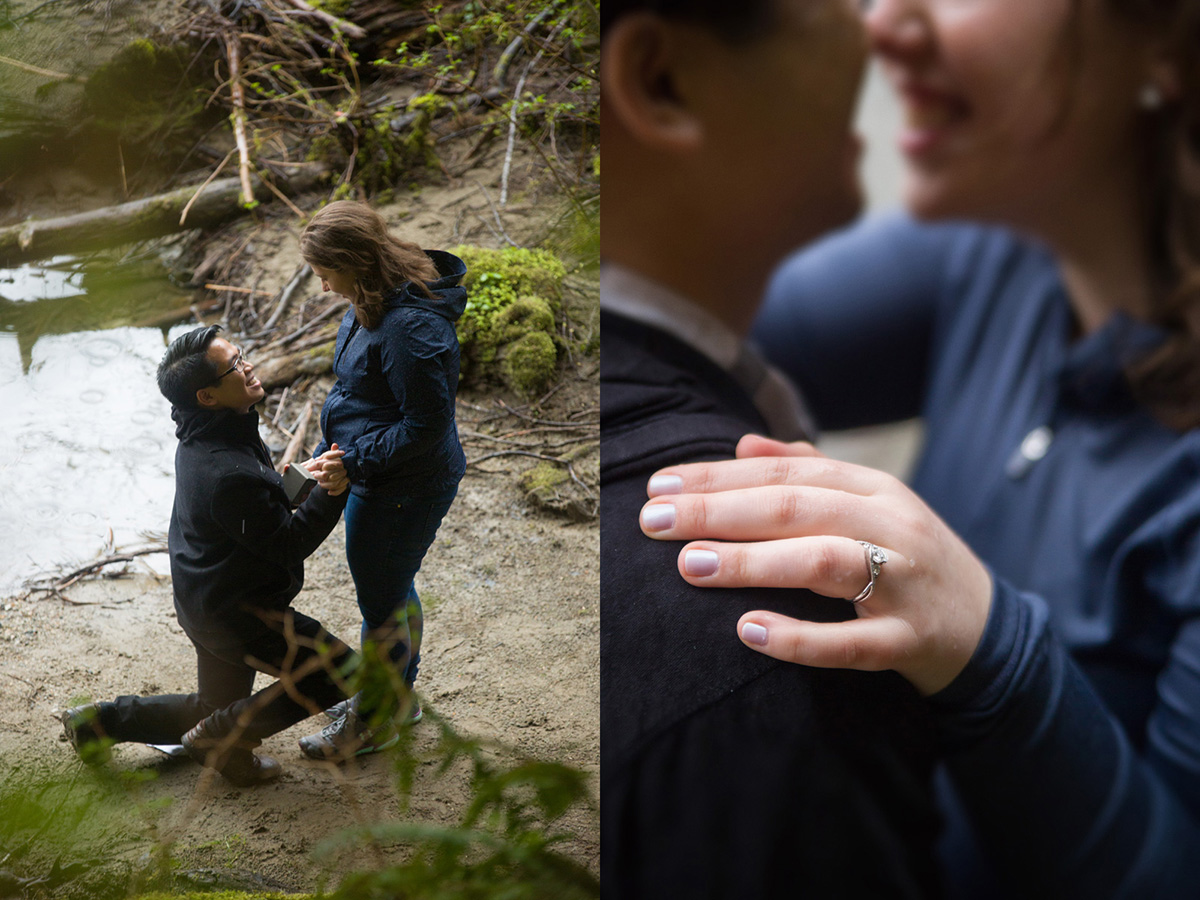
[727,774]
[235,543]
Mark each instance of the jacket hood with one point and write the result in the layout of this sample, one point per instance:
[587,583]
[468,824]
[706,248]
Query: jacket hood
[449,296]
[195,423]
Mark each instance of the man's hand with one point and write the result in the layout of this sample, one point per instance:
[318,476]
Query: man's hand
[329,471]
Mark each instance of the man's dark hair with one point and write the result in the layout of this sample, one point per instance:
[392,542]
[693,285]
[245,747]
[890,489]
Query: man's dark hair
[736,22]
[186,368]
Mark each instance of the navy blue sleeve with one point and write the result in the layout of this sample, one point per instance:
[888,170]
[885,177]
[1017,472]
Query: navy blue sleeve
[850,319]
[1062,800]
[419,362]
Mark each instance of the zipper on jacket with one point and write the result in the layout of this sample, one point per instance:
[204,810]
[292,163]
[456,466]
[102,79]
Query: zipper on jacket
[349,337]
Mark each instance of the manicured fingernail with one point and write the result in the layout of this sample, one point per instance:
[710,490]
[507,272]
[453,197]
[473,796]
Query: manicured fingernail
[700,562]
[754,634]
[665,484]
[658,517]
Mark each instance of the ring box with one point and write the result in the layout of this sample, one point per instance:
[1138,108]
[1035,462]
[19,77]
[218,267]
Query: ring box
[298,482]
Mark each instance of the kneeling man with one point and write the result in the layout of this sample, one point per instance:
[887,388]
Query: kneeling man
[237,561]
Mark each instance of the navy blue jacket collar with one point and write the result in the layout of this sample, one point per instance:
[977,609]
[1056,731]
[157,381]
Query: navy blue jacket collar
[449,296]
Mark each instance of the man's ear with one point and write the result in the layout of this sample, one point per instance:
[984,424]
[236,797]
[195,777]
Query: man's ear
[206,399]
[639,54]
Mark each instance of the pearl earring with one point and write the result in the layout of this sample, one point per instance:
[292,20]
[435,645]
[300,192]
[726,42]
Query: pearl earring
[1150,98]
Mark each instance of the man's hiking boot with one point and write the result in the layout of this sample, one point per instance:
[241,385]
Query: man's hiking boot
[236,764]
[81,726]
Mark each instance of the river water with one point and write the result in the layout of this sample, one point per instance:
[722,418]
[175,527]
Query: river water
[90,441]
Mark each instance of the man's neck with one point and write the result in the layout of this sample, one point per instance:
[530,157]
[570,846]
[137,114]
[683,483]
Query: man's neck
[723,282]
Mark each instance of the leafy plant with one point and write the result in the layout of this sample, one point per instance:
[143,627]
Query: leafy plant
[496,278]
[64,833]
[504,845]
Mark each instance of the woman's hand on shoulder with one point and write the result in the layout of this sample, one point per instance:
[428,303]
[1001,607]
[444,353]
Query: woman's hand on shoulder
[786,516]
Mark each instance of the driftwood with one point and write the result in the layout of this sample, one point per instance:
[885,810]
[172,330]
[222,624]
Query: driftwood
[281,370]
[136,220]
[237,97]
[392,23]
[285,295]
[334,22]
[500,73]
[179,314]
[296,444]
[332,310]
[55,584]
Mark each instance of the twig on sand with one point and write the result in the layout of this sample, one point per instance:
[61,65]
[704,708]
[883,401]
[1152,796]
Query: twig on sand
[56,585]
[47,73]
[235,289]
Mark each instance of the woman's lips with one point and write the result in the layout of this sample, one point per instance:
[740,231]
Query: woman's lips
[929,117]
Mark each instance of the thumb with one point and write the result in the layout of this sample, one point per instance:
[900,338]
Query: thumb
[756,445]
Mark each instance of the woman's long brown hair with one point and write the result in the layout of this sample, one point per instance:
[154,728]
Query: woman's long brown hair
[350,237]
[1168,380]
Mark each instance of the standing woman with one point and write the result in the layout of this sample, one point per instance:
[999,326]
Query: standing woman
[391,412]
[1046,601]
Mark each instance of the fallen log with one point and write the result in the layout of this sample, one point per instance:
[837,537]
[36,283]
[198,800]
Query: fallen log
[137,220]
[180,314]
[280,370]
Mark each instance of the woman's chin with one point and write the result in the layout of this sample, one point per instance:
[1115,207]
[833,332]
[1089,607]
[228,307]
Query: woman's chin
[930,199]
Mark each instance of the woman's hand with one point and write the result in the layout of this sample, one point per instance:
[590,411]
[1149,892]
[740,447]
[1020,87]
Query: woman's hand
[797,517]
[329,471]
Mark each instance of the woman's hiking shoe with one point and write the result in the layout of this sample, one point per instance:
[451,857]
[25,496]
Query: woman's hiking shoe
[338,710]
[349,736]
[82,729]
[236,764]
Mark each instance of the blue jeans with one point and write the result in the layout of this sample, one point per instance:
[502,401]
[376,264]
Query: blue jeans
[386,539]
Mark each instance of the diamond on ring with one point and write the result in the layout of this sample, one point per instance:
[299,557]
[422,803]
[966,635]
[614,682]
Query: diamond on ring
[876,557]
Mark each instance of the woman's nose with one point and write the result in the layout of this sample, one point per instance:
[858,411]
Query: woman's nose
[897,27]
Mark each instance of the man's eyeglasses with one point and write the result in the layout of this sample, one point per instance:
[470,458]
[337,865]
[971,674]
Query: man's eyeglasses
[239,365]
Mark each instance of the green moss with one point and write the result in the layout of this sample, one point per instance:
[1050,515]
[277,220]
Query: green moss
[495,278]
[333,7]
[224,895]
[510,293]
[540,481]
[146,94]
[530,363]
[526,314]
[322,352]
